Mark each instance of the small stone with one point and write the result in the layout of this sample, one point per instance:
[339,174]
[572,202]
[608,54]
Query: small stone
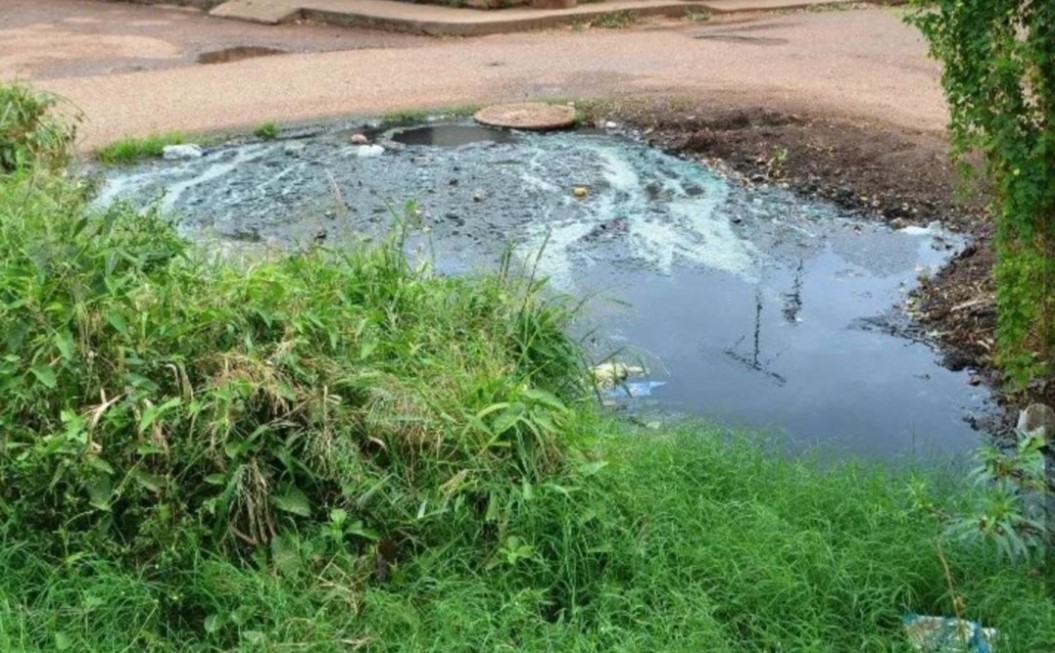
[479,196]
[974,380]
[181,152]
[293,149]
[364,151]
[611,125]
[898,223]
[358,139]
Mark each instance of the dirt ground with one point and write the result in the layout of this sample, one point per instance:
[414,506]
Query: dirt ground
[843,105]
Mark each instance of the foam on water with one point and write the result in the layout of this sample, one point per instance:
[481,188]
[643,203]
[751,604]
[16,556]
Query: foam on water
[750,305]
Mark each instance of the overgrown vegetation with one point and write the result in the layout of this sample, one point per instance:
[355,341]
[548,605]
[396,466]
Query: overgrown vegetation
[29,135]
[333,451]
[999,78]
[130,150]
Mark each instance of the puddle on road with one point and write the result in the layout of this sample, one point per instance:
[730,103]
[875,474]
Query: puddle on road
[748,305]
[237,53]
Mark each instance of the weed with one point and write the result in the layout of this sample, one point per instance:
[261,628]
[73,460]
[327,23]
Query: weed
[404,117]
[130,150]
[698,15]
[267,131]
[615,20]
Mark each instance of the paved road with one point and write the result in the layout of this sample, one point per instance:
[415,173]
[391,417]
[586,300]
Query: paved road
[131,69]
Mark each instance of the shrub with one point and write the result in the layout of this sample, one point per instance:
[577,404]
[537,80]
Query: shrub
[152,397]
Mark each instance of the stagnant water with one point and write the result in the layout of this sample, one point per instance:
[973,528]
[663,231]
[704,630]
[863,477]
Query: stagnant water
[746,305]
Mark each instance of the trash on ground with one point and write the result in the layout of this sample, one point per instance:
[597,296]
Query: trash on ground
[636,389]
[608,375]
[947,635]
[177,152]
[369,150]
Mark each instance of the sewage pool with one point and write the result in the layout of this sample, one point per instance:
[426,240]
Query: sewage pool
[747,305]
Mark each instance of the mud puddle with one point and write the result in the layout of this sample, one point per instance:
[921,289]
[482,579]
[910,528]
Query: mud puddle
[746,305]
[237,53]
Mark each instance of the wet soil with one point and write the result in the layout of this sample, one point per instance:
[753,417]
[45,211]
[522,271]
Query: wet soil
[876,171]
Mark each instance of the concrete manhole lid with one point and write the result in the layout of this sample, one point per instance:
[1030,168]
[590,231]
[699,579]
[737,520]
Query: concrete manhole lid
[535,116]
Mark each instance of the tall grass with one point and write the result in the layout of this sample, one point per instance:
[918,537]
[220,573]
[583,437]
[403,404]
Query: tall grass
[126,151]
[681,542]
[333,451]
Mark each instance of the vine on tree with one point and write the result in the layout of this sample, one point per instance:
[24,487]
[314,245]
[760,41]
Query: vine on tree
[999,80]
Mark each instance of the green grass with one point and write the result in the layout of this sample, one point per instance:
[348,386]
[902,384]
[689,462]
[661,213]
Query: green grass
[683,542]
[333,451]
[405,117]
[130,150]
[267,131]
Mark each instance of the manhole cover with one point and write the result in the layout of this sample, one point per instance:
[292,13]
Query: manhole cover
[534,116]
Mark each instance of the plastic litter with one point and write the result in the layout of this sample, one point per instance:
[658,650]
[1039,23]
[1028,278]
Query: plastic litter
[636,389]
[369,150]
[947,635]
[177,152]
[608,375]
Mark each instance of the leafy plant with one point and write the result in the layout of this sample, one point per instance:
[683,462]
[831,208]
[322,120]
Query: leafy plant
[999,79]
[1012,506]
[30,136]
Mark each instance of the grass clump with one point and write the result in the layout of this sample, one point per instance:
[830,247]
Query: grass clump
[129,150]
[267,131]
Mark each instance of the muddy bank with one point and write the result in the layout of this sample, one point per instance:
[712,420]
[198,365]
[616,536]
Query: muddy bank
[877,172]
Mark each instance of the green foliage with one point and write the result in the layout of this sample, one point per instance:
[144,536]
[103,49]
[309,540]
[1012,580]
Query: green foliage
[29,135]
[682,542]
[151,396]
[1010,511]
[267,131]
[999,78]
[130,150]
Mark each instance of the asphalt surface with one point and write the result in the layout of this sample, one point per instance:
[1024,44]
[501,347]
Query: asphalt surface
[131,69]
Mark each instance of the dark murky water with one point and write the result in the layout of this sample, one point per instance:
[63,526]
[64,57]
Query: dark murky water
[746,305]
[452,135]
